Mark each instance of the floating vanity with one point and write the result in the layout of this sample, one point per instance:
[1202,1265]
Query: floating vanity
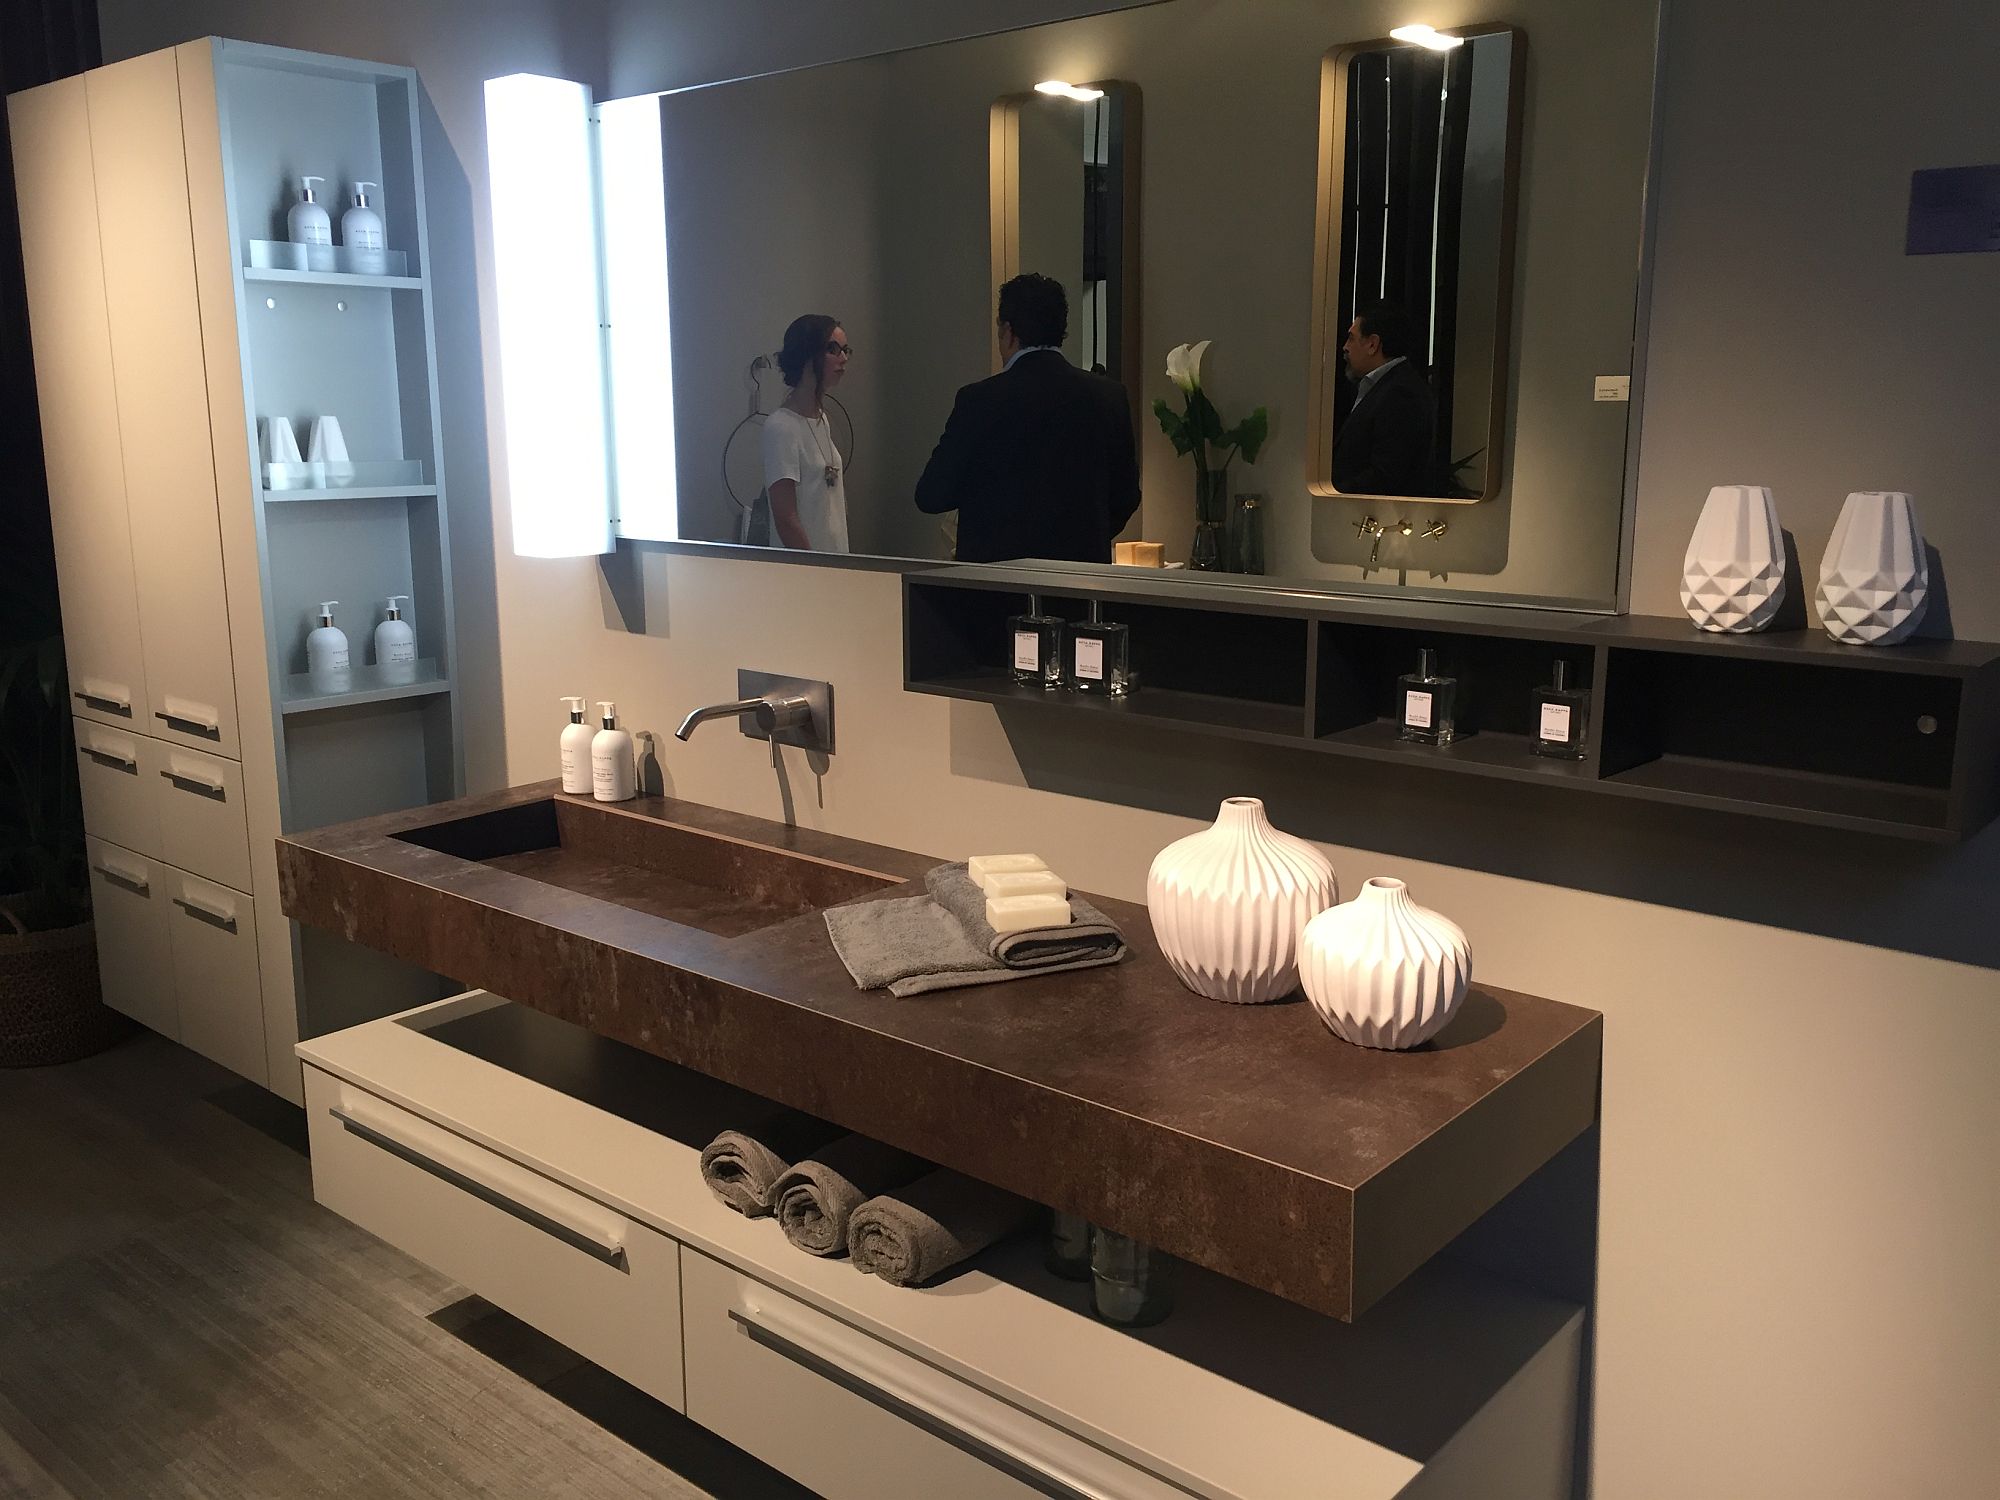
[1325,1344]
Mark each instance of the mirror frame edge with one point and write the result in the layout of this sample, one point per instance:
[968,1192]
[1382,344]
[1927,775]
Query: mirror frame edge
[1321,376]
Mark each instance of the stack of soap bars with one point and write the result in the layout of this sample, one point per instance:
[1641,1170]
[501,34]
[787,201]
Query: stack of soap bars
[1021,892]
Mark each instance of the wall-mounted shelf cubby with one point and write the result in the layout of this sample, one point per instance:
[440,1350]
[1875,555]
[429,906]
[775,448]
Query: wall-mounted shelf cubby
[1903,741]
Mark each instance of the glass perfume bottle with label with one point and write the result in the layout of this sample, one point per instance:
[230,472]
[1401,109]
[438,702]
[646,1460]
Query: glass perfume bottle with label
[1097,658]
[1426,702]
[1562,717]
[1035,640]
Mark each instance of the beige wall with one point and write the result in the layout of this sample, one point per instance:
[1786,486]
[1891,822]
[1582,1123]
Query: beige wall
[1799,1199]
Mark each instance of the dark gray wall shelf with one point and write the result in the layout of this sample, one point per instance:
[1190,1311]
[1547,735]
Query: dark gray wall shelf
[1901,741]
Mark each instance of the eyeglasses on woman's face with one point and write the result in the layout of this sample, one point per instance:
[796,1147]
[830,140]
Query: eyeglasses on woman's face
[835,348]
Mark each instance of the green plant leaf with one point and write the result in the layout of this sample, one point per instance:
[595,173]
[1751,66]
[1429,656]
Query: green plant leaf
[1175,427]
[1248,435]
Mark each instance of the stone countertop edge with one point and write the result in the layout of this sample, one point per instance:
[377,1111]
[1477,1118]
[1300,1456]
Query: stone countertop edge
[1247,1139]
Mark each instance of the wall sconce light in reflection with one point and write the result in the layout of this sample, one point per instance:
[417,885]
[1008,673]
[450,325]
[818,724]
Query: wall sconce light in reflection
[1061,90]
[1427,36]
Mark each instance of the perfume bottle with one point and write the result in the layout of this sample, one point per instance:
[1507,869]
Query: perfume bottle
[1562,717]
[1098,658]
[1036,640]
[1425,701]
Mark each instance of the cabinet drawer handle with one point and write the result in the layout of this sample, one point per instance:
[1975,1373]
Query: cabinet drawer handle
[601,1243]
[904,1403]
[215,916]
[109,696]
[105,755]
[191,718]
[138,884]
[197,781]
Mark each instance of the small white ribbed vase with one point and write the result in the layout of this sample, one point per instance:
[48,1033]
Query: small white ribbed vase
[1383,971]
[1228,904]
[1875,580]
[1733,577]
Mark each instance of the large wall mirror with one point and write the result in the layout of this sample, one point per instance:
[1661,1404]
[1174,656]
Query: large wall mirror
[889,193]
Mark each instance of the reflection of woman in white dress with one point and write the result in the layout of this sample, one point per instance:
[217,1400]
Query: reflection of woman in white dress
[802,467]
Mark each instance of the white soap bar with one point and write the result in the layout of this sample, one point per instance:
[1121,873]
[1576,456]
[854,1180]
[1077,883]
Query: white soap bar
[982,865]
[1019,913]
[1024,883]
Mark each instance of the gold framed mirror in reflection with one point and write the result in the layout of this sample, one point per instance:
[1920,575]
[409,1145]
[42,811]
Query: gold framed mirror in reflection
[1064,186]
[1413,266]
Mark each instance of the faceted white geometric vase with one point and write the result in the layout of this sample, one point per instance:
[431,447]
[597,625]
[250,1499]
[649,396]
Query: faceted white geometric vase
[1383,971]
[1734,577]
[1875,580]
[1228,904]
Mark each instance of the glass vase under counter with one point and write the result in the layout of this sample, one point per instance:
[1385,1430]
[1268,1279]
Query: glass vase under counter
[1131,1284]
[1067,1251]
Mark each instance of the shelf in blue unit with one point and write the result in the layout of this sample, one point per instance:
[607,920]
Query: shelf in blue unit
[333,278]
[355,492]
[367,685]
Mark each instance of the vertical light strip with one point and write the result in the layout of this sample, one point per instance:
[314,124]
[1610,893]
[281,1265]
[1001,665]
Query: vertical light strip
[540,173]
[633,194]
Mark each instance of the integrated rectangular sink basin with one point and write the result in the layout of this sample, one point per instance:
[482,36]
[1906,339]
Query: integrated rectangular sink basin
[699,877]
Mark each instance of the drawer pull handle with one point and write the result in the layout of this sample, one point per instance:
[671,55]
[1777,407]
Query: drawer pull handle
[138,884]
[191,718]
[197,781]
[215,916]
[903,1403]
[109,696]
[105,755]
[601,1244]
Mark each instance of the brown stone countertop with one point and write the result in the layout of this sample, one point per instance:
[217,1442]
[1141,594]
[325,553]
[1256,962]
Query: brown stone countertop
[1248,1139]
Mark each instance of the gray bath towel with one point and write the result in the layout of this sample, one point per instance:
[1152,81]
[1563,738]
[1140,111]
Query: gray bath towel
[914,944]
[918,1232]
[815,1200]
[742,1166]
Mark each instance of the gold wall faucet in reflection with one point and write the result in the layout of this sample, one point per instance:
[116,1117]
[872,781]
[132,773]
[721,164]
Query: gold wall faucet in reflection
[1369,526]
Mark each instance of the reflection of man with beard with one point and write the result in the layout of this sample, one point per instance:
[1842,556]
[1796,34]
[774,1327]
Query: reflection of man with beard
[1388,442]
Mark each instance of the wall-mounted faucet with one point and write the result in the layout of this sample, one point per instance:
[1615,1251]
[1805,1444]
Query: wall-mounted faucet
[782,710]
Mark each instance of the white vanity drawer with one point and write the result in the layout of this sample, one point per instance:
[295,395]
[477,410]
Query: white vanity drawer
[215,972]
[585,1275]
[119,803]
[843,1412]
[135,960]
[202,823]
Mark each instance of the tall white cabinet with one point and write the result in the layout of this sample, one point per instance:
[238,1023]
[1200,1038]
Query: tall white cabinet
[169,318]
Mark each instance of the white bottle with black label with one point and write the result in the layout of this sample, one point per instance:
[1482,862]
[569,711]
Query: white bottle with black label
[576,738]
[396,645]
[613,773]
[326,654]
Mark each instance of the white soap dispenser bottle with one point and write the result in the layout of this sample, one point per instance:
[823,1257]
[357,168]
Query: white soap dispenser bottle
[576,738]
[307,223]
[326,654]
[613,774]
[361,235]
[396,645]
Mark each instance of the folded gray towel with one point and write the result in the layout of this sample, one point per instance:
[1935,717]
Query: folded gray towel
[920,1231]
[815,1200]
[742,1166]
[915,944]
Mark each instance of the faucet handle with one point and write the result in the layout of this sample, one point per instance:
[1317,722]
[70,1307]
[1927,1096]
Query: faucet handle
[775,713]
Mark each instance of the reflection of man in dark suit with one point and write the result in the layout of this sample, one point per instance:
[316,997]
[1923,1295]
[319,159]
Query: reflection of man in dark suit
[1038,460]
[1388,443]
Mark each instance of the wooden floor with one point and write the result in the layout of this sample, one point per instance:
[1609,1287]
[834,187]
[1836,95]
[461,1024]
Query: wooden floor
[179,1318]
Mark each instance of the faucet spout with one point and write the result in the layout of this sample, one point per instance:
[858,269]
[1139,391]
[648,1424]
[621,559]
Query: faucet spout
[716,711]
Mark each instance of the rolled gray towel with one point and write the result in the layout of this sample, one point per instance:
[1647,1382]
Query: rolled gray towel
[816,1198]
[920,1231]
[742,1166]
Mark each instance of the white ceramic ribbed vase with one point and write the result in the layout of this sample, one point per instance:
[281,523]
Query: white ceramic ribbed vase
[1383,971]
[1733,578]
[1228,904]
[1875,580]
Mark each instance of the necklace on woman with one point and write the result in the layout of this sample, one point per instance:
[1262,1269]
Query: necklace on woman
[813,424]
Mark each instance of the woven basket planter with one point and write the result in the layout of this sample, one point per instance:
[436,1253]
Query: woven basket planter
[50,1008]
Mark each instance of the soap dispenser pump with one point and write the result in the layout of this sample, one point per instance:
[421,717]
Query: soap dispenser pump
[307,223]
[576,738]
[326,653]
[361,234]
[613,773]
[396,645]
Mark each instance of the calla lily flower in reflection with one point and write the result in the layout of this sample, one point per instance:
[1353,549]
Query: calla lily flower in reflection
[1184,365]
[1197,432]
